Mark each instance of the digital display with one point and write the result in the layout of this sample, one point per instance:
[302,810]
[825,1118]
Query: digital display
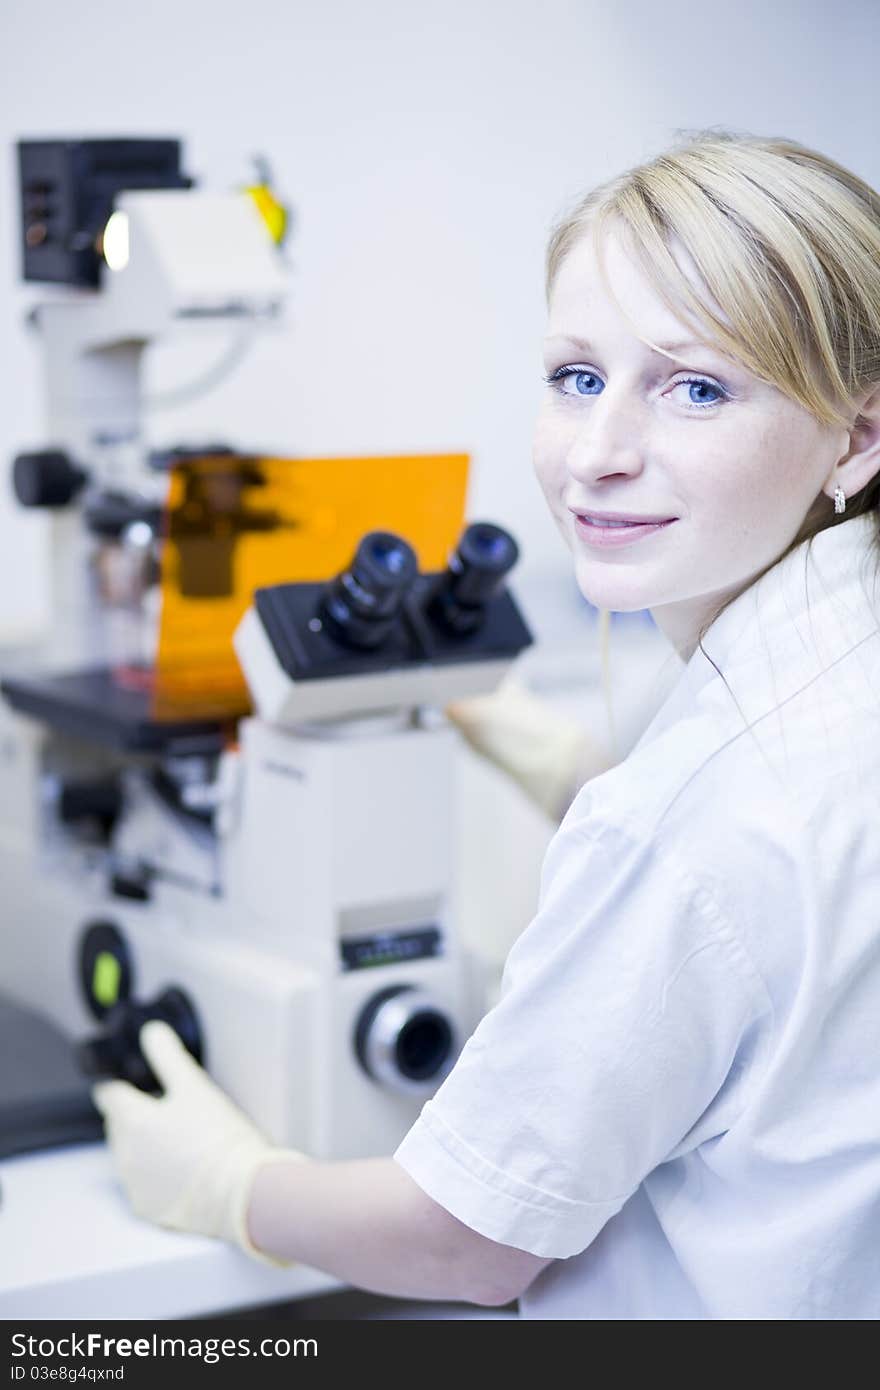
[389,948]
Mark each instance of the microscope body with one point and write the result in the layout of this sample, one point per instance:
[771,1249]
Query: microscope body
[325,888]
[278,887]
[293,888]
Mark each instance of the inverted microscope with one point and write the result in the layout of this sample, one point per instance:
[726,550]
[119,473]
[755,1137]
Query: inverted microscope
[258,851]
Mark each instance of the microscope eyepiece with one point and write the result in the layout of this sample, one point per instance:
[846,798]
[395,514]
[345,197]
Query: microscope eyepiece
[362,603]
[386,553]
[476,571]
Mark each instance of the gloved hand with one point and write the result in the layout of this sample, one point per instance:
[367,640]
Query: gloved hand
[188,1158]
[548,754]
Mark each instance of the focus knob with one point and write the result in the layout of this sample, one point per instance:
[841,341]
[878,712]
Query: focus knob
[98,800]
[46,479]
[116,1053]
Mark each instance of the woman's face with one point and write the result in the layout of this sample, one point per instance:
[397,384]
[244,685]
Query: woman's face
[625,429]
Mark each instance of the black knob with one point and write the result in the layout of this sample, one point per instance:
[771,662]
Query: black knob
[115,1053]
[133,881]
[46,479]
[98,801]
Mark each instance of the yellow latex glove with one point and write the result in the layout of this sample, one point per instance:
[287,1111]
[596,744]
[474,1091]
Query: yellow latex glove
[188,1158]
[546,753]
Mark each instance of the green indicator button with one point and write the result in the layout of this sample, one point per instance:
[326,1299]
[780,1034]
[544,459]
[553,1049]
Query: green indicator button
[106,975]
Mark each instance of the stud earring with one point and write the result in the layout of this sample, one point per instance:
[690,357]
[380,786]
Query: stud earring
[839,500]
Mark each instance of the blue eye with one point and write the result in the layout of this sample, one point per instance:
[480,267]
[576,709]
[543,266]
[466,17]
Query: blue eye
[702,392]
[585,382]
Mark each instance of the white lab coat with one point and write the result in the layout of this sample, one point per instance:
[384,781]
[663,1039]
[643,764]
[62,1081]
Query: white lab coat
[678,1092]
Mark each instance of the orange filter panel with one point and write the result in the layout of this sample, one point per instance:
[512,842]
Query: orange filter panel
[235,524]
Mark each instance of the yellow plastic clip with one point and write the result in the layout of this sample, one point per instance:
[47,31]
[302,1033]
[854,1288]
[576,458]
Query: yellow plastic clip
[273,212]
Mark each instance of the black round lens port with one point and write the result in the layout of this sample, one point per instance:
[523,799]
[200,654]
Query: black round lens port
[404,1040]
[423,1045]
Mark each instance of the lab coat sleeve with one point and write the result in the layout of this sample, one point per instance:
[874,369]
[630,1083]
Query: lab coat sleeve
[627,1033]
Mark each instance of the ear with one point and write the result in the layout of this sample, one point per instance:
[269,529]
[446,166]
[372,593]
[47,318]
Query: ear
[855,468]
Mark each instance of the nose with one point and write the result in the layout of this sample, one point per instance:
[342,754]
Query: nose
[608,438]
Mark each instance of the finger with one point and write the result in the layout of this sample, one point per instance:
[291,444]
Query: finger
[166,1054]
[117,1098]
[465,713]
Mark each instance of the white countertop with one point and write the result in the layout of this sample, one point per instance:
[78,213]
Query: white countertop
[71,1248]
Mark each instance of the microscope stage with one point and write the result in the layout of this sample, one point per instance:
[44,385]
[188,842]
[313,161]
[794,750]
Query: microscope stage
[44,1100]
[117,709]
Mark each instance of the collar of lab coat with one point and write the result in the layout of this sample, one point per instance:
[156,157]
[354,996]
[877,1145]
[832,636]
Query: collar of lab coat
[805,614]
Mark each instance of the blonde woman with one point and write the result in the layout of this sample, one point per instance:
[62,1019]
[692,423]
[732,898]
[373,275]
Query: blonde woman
[674,1109]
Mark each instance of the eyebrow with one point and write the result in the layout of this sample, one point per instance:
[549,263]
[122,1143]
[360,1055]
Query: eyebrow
[688,346]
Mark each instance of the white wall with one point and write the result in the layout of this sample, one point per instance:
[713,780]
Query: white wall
[426,150]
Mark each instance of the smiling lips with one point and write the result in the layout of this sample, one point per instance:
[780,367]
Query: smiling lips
[624,518]
[609,531]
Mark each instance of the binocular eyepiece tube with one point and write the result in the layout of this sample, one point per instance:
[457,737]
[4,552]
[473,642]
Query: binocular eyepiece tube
[363,602]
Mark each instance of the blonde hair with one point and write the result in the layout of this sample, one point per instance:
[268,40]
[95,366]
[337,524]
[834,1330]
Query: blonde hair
[787,245]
